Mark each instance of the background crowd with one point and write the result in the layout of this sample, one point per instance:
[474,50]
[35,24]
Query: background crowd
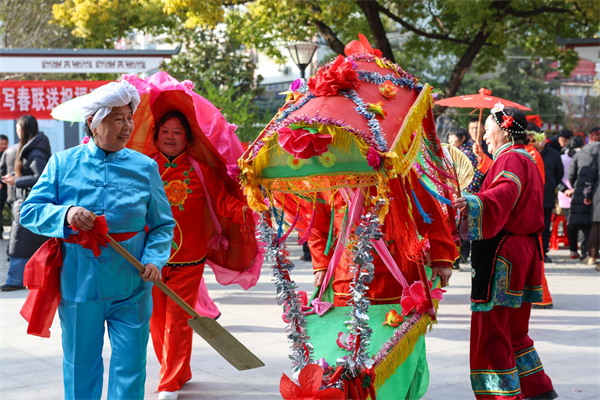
[568,164]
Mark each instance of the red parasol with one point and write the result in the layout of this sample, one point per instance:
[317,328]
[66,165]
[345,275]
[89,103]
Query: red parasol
[483,99]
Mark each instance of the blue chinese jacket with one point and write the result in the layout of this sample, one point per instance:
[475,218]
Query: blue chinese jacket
[127,188]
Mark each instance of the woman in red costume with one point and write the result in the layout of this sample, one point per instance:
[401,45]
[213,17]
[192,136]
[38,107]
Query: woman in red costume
[187,182]
[505,220]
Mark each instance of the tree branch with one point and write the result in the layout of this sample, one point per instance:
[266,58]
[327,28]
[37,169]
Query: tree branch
[462,66]
[419,32]
[326,32]
[371,11]
[537,11]
[330,37]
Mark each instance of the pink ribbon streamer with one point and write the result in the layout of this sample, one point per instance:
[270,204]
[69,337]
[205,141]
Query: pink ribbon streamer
[218,240]
[389,262]
[356,208]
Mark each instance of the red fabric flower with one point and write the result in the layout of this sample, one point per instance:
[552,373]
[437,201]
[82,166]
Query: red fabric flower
[414,297]
[302,143]
[361,47]
[507,121]
[374,159]
[388,90]
[310,380]
[340,76]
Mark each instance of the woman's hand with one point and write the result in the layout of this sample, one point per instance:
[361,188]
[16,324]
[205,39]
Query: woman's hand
[318,279]
[569,192]
[9,179]
[461,205]
[477,150]
[80,218]
[151,273]
[443,272]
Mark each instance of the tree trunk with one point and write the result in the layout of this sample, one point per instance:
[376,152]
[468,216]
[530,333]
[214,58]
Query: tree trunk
[461,68]
[371,10]
[330,37]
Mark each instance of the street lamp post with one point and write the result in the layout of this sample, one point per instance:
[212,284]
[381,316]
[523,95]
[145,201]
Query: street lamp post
[302,53]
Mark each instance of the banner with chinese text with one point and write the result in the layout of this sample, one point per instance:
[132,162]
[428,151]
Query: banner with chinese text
[38,98]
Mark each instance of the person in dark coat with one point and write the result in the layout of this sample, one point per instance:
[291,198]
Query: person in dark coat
[583,176]
[563,138]
[32,155]
[3,191]
[564,201]
[554,171]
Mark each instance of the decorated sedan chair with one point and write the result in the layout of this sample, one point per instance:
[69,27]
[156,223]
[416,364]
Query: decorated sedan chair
[357,143]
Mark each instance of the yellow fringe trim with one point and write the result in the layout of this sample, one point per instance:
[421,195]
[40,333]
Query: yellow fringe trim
[403,348]
[317,183]
[405,148]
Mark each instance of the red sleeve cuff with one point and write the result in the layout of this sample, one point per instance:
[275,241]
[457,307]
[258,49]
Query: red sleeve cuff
[443,264]
[485,164]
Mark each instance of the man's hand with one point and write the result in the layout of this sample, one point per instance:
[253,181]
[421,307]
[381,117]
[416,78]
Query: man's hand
[587,202]
[318,279]
[80,218]
[461,205]
[443,272]
[151,273]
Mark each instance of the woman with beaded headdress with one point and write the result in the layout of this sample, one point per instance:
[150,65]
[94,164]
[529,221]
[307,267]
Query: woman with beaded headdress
[505,220]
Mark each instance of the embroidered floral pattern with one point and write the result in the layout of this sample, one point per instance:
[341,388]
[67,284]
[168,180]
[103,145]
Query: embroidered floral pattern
[328,159]
[491,382]
[528,362]
[295,163]
[475,210]
[501,294]
[177,190]
[177,193]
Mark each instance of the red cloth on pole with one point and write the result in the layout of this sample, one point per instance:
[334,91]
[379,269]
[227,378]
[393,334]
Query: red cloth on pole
[38,98]
[42,275]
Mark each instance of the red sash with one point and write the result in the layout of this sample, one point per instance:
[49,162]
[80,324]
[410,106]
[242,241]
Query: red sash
[42,275]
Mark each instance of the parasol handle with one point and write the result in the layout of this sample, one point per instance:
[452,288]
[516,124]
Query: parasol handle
[479,127]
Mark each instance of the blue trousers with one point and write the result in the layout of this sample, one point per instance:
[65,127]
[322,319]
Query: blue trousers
[83,325]
[16,267]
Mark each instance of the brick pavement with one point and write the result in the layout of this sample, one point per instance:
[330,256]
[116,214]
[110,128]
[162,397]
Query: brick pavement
[567,337]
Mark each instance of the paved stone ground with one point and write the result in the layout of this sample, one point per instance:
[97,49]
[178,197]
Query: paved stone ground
[567,338]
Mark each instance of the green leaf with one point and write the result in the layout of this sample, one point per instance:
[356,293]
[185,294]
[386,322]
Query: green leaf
[181,207]
[189,190]
[185,173]
[165,183]
[174,245]
[187,181]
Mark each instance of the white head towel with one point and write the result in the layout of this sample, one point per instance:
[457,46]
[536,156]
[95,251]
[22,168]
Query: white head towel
[102,100]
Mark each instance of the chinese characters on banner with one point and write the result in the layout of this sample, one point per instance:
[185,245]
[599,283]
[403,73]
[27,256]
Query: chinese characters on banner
[38,98]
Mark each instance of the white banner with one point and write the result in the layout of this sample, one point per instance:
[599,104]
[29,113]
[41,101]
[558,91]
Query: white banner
[67,64]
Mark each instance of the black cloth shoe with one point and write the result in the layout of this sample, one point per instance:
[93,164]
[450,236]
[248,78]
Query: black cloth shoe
[10,288]
[546,396]
[547,259]
[544,306]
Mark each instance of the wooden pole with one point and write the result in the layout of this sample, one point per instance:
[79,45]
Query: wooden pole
[479,128]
